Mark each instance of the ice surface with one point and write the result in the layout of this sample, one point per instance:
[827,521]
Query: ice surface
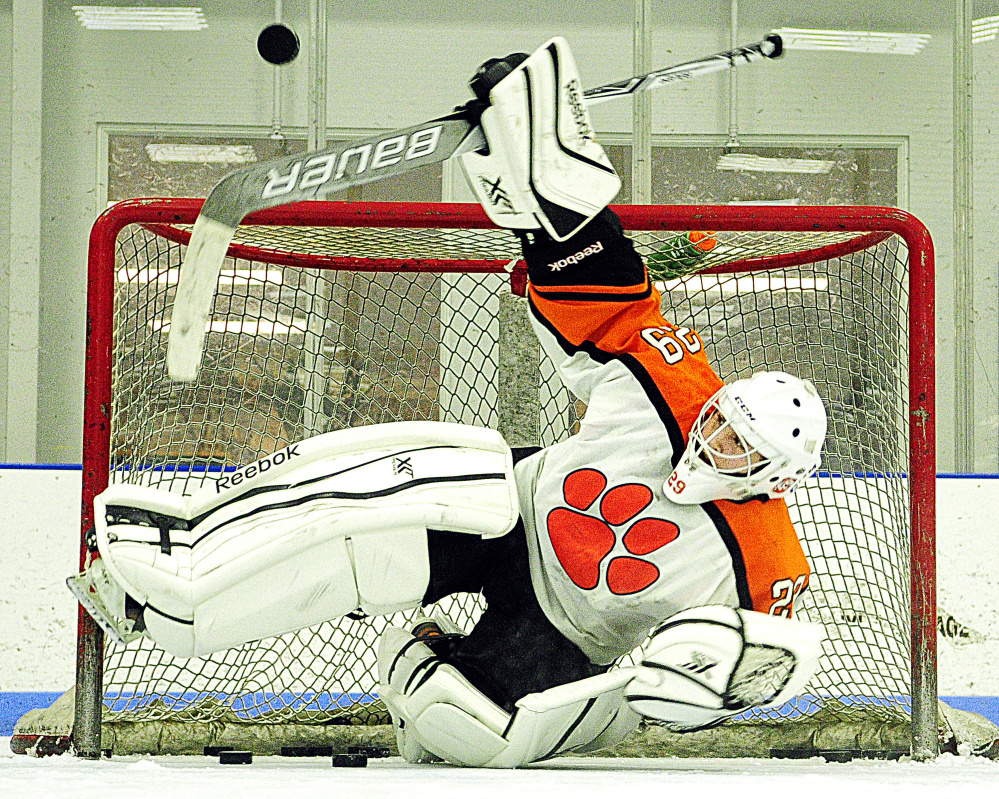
[189,777]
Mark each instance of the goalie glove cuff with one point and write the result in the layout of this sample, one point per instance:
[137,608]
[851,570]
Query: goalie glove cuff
[600,254]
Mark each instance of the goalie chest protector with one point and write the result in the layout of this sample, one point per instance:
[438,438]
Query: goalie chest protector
[611,556]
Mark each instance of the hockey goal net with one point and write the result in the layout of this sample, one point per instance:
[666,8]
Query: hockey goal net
[334,315]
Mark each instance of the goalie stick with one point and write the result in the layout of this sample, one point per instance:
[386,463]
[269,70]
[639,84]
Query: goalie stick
[319,173]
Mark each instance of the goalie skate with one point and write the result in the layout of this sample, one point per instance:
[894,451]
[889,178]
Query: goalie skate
[98,593]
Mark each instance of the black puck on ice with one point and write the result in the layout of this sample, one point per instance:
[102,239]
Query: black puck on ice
[839,755]
[215,751]
[369,750]
[306,751]
[233,758]
[350,761]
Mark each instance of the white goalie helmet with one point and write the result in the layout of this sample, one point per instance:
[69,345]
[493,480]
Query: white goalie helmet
[760,436]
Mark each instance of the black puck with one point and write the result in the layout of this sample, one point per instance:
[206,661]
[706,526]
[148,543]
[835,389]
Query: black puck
[215,751]
[369,750]
[306,751]
[278,44]
[232,757]
[350,761]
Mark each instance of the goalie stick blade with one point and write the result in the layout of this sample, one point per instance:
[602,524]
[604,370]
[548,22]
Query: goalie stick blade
[193,302]
[280,182]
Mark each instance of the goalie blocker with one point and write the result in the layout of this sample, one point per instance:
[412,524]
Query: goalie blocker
[334,524]
[544,169]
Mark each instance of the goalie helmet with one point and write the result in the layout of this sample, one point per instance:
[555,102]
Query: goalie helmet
[760,436]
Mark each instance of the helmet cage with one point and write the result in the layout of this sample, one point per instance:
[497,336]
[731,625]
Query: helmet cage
[701,445]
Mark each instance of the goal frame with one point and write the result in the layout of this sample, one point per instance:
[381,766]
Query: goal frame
[86,735]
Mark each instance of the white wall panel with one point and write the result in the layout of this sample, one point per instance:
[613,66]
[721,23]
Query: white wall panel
[6,25]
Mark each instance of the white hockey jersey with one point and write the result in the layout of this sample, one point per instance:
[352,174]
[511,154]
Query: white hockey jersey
[611,556]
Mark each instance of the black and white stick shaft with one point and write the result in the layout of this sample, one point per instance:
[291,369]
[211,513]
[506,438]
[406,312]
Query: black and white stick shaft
[341,166]
[770,47]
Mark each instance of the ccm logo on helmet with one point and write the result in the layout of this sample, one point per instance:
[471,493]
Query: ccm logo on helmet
[745,409]
[261,466]
[593,249]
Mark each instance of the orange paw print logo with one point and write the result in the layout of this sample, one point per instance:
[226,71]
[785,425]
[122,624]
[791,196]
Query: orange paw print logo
[581,542]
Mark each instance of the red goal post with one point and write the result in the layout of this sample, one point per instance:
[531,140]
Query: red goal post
[777,251]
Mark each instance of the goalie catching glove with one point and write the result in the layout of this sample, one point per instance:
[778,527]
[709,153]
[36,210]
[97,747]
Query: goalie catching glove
[543,169]
[708,664]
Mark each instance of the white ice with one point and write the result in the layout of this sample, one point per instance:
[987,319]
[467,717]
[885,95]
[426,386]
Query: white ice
[147,777]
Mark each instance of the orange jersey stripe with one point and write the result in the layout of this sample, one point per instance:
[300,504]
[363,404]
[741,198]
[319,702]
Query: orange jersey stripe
[615,322]
[776,570]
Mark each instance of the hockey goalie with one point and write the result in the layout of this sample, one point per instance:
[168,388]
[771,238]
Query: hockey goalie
[661,521]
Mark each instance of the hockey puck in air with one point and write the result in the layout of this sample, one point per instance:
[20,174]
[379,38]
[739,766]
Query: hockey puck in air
[277,44]
[235,758]
[350,761]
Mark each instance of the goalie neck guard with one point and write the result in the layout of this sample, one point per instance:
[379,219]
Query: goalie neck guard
[760,436]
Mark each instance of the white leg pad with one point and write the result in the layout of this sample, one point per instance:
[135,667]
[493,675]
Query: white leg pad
[333,524]
[438,713]
[707,664]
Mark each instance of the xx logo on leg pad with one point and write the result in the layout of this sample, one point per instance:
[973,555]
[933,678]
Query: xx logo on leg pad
[581,542]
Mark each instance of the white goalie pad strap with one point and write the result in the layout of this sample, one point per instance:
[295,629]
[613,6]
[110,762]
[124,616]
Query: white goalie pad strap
[544,168]
[710,663]
[438,713]
[582,716]
[321,528]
